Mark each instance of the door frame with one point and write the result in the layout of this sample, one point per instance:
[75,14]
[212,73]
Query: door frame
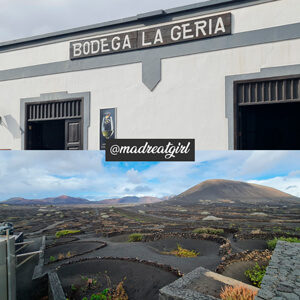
[57,97]
[230,105]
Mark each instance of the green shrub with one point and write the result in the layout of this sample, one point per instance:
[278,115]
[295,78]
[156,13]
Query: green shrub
[135,237]
[61,233]
[104,295]
[272,243]
[256,274]
[208,230]
[52,258]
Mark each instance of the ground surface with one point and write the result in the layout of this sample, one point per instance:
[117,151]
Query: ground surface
[113,225]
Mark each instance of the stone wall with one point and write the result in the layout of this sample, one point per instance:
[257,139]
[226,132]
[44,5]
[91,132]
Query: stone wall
[282,279]
[255,255]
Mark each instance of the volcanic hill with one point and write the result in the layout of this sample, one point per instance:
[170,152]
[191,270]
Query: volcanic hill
[228,191]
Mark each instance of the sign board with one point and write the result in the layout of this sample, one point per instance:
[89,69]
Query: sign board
[154,36]
[107,126]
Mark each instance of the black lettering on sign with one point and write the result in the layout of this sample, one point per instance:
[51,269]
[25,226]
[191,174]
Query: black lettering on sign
[196,29]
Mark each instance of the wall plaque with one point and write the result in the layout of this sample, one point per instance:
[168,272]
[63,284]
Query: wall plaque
[107,126]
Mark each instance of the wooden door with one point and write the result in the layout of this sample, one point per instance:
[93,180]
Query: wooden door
[73,134]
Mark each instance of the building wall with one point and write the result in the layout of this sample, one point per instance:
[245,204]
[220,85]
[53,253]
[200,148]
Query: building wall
[189,102]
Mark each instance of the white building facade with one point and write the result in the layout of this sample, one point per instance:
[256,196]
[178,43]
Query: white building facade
[229,83]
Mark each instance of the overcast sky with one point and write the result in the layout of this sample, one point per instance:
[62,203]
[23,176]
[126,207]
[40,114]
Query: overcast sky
[25,18]
[37,174]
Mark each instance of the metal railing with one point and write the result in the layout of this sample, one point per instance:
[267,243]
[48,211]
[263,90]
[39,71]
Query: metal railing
[8,265]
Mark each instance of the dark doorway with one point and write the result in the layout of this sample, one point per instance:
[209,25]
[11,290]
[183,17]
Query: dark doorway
[54,125]
[267,114]
[46,135]
[270,127]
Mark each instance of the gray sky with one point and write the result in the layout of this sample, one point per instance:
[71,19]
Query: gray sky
[24,18]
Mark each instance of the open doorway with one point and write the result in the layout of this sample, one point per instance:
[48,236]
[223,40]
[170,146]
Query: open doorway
[55,125]
[46,135]
[267,114]
[270,127]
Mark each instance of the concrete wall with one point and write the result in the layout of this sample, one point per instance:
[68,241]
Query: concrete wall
[189,101]
[7,269]
[3,270]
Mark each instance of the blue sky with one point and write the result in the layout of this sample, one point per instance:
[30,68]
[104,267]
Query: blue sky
[36,174]
[19,18]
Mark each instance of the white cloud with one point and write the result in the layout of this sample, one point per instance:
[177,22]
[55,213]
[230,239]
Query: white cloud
[260,161]
[290,185]
[134,176]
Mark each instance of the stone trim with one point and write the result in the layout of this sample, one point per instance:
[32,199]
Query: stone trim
[85,96]
[289,70]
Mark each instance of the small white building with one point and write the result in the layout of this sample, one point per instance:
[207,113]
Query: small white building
[225,72]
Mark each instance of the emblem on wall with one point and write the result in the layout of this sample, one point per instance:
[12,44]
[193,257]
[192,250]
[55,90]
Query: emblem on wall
[107,126]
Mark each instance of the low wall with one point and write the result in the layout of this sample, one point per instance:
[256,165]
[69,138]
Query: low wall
[255,255]
[263,236]
[55,290]
[185,289]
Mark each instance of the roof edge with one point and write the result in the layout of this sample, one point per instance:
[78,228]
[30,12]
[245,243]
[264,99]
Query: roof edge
[157,14]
